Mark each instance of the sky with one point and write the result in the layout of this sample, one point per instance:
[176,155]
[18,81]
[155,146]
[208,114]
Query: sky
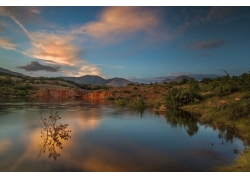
[138,43]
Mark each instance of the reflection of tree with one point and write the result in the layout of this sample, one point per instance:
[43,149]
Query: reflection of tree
[52,135]
[184,119]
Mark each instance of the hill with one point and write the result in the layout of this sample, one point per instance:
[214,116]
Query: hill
[97,80]
[118,82]
[87,79]
[2,70]
[178,79]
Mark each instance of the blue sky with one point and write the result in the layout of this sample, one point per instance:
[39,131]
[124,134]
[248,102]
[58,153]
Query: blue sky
[136,43]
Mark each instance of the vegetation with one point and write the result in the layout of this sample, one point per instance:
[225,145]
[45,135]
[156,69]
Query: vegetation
[242,164]
[52,135]
[223,102]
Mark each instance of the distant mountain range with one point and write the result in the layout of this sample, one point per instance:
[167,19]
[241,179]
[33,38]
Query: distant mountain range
[88,79]
[178,79]
[115,82]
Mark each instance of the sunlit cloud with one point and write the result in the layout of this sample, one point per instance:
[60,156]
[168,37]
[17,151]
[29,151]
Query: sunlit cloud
[115,21]
[6,44]
[51,47]
[85,69]
[5,145]
[54,48]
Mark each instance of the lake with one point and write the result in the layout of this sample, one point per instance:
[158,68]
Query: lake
[103,137]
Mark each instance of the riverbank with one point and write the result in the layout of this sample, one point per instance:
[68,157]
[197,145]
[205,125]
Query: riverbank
[229,113]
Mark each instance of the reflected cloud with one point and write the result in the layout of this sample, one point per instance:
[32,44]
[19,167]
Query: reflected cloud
[5,145]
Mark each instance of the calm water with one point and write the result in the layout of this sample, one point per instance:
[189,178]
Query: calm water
[106,138]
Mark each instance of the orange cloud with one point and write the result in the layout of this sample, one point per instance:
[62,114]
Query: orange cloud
[121,20]
[6,44]
[85,69]
[54,48]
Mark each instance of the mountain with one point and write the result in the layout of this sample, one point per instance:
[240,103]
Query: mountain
[97,80]
[166,80]
[118,82]
[87,79]
[10,72]
[178,79]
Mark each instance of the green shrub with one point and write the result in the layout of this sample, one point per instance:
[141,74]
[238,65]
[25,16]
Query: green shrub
[120,102]
[180,97]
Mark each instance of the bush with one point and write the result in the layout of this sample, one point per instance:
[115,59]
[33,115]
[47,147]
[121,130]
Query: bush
[111,98]
[127,91]
[120,102]
[180,97]
[138,105]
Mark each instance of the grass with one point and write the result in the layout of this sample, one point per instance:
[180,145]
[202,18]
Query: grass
[231,113]
[242,164]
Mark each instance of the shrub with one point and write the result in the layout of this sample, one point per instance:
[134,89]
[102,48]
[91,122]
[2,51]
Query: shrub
[120,102]
[111,98]
[180,97]
[127,91]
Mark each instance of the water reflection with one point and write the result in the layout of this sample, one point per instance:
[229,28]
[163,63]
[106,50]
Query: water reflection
[106,138]
[184,119]
[52,134]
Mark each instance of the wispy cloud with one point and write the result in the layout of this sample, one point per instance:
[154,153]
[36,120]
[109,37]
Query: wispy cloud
[36,66]
[6,44]
[24,13]
[117,21]
[210,44]
[57,49]
[50,47]
[189,16]
[220,12]
[204,45]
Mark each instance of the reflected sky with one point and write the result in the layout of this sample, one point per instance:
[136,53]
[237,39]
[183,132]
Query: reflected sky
[106,138]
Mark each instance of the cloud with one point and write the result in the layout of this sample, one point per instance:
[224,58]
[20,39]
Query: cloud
[221,12]
[1,29]
[204,45]
[36,66]
[6,44]
[210,44]
[54,48]
[115,21]
[85,69]
[25,14]
[51,47]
